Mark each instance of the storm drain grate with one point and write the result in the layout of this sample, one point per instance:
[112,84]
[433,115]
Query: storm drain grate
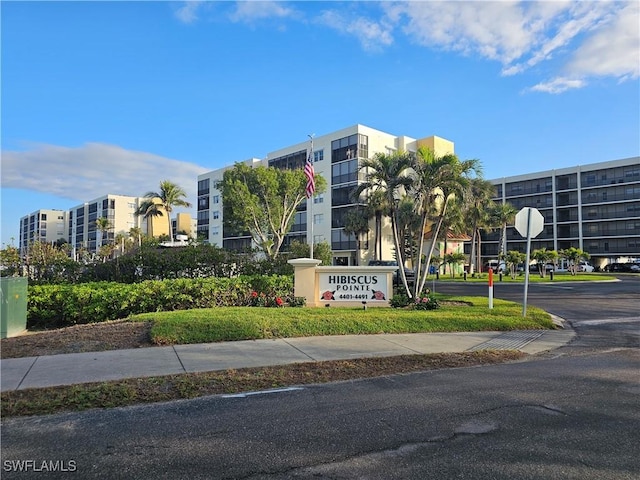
[508,341]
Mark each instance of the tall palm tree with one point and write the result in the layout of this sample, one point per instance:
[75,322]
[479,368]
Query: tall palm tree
[479,205]
[158,203]
[503,214]
[104,225]
[388,175]
[437,180]
[136,232]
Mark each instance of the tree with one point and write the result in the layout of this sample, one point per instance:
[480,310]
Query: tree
[542,256]
[502,215]
[478,208]
[386,180]
[573,256]
[104,225]
[263,201]
[162,202]
[376,207]
[513,259]
[136,233]
[10,260]
[356,223]
[438,179]
[453,259]
[321,251]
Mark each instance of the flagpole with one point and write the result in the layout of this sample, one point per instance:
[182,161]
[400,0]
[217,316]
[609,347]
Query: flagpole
[311,199]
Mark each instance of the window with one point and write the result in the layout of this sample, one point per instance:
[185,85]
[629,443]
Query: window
[215,230]
[318,218]
[318,239]
[43,216]
[216,199]
[318,155]
[203,203]
[318,198]
[203,187]
[353,146]
[344,172]
[216,214]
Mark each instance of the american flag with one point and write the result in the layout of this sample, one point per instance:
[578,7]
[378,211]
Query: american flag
[309,173]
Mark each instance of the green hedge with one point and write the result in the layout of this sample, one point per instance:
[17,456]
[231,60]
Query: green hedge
[53,306]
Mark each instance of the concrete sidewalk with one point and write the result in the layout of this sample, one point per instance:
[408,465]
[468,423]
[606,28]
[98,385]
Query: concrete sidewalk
[76,368]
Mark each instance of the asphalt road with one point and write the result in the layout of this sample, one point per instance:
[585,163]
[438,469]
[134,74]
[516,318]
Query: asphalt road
[570,414]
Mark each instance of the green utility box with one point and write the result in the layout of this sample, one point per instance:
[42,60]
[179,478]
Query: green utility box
[13,314]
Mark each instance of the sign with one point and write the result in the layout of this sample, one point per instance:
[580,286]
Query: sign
[529,224]
[350,287]
[529,221]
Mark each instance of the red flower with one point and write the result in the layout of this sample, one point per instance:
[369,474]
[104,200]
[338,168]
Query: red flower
[327,295]
[377,295]
[254,294]
[279,301]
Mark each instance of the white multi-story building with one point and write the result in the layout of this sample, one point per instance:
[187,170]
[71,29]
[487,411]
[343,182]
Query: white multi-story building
[118,209]
[594,207]
[337,158]
[43,225]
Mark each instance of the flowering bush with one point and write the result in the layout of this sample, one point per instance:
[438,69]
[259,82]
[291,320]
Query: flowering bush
[262,300]
[426,302]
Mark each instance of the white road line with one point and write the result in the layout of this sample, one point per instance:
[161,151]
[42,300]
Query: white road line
[262,392]
[603,321]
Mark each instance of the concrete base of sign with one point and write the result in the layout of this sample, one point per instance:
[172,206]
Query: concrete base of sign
[329,286]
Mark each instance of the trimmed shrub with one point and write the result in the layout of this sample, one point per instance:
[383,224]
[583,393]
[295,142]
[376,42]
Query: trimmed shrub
[54,306]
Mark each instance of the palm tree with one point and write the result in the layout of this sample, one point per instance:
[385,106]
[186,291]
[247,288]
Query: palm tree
[574,255]
[387,174]
[158,203]
[438,179]
[136,232]
[104,225]
[478,207]
[503,214]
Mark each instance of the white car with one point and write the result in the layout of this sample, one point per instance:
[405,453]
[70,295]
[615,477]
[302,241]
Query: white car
[585,267]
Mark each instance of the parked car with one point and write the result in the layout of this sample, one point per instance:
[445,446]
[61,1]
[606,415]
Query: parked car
[585,267]
[498,266]
[618,267]
[410,274]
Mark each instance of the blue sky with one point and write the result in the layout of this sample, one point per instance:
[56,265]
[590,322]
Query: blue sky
[113,97]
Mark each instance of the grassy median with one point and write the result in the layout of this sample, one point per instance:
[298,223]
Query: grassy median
[462,314]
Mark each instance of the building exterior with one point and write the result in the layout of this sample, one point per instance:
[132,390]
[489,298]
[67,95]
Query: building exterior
[43,225]
[118,209]
[337,158]
[593,207]
[77,226]
[184,224]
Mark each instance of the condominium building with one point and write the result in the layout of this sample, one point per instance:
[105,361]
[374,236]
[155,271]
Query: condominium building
[118,209]
[43,225]
[337,157]
[593,207]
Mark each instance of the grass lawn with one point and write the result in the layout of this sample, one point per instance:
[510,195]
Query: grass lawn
[462,314]
[534,277]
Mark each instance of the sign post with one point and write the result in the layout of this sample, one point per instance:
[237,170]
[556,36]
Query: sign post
[490,288]
[529,223]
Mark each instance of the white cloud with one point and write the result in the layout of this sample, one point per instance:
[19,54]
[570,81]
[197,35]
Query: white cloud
[559,85]
[372,35]
[93,170]
[586,38]
[188,13]
[248,11]
[613,50]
